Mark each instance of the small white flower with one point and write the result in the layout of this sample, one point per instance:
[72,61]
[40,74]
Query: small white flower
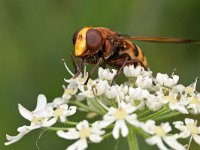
[120,115]
[194,104]
[190,90]
[84,133]
[87,90]
[165,80]
[68,92]
[175,103]
[131,71]
[188,129]
[105,74]
[154,103]
[40,117]
[111,92]
[138,96]
[117,92]
[100,87]
[144,81]
[179,89]
[73,85]
[160,135]
[62,111]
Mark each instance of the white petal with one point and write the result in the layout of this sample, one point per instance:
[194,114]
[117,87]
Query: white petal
[129,108]
[196,139]
[70,135]
[13,139]
[47,112]
[173,143]
[104,123]
[155,140]
[62,118]
[49,123]
[120,125]
[109,118]
[175,78]
[132,119]
[25,113]
[184,134]
[41,102]
[166,127]
[72,110]
[188,121]
[58,101]
[179,125]
[82,125]
[148,126]
[78,145]
[95,138]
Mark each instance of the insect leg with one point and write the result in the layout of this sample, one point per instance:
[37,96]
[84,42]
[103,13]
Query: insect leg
[94,68]
[73,61]
[119,70]
[78,68]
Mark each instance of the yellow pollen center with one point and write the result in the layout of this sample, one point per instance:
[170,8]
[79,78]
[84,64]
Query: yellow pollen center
[58,112]
[85,133]
[194,100]
[189,90]
[159,131]
[120,113]
[37,119]
[68,91]
[192,128]
[171,99]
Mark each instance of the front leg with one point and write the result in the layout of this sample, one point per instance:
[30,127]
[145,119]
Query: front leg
[99,61]
[78,68]
[119,70]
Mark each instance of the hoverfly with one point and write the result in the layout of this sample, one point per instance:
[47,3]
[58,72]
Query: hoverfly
[102,46]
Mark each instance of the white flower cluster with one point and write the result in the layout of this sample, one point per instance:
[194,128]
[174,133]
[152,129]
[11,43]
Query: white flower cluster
[127,109]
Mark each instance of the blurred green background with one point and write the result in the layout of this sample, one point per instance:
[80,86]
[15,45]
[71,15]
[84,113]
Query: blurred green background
[36,34]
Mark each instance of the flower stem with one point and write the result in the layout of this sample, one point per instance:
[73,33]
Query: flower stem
[85,107]
[132,139]
[57,128]
[166,116]
[107,135]
[141,132]
[71,123]
[158,113]
[144,113]
[100,109]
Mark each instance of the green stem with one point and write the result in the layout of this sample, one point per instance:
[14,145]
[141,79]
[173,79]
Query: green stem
[144,113]
[131,82]
[166,116]
[162,114]
[132,139]
[85,107]
[57,128]
[100,109]
[107,135]
[163,110]
[71,123]
[141,132]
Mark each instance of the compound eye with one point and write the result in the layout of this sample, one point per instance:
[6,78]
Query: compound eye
[75,36]
[93,39]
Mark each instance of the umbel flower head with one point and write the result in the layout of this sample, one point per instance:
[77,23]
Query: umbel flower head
[140,106]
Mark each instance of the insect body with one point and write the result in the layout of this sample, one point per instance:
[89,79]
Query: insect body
[102,46]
